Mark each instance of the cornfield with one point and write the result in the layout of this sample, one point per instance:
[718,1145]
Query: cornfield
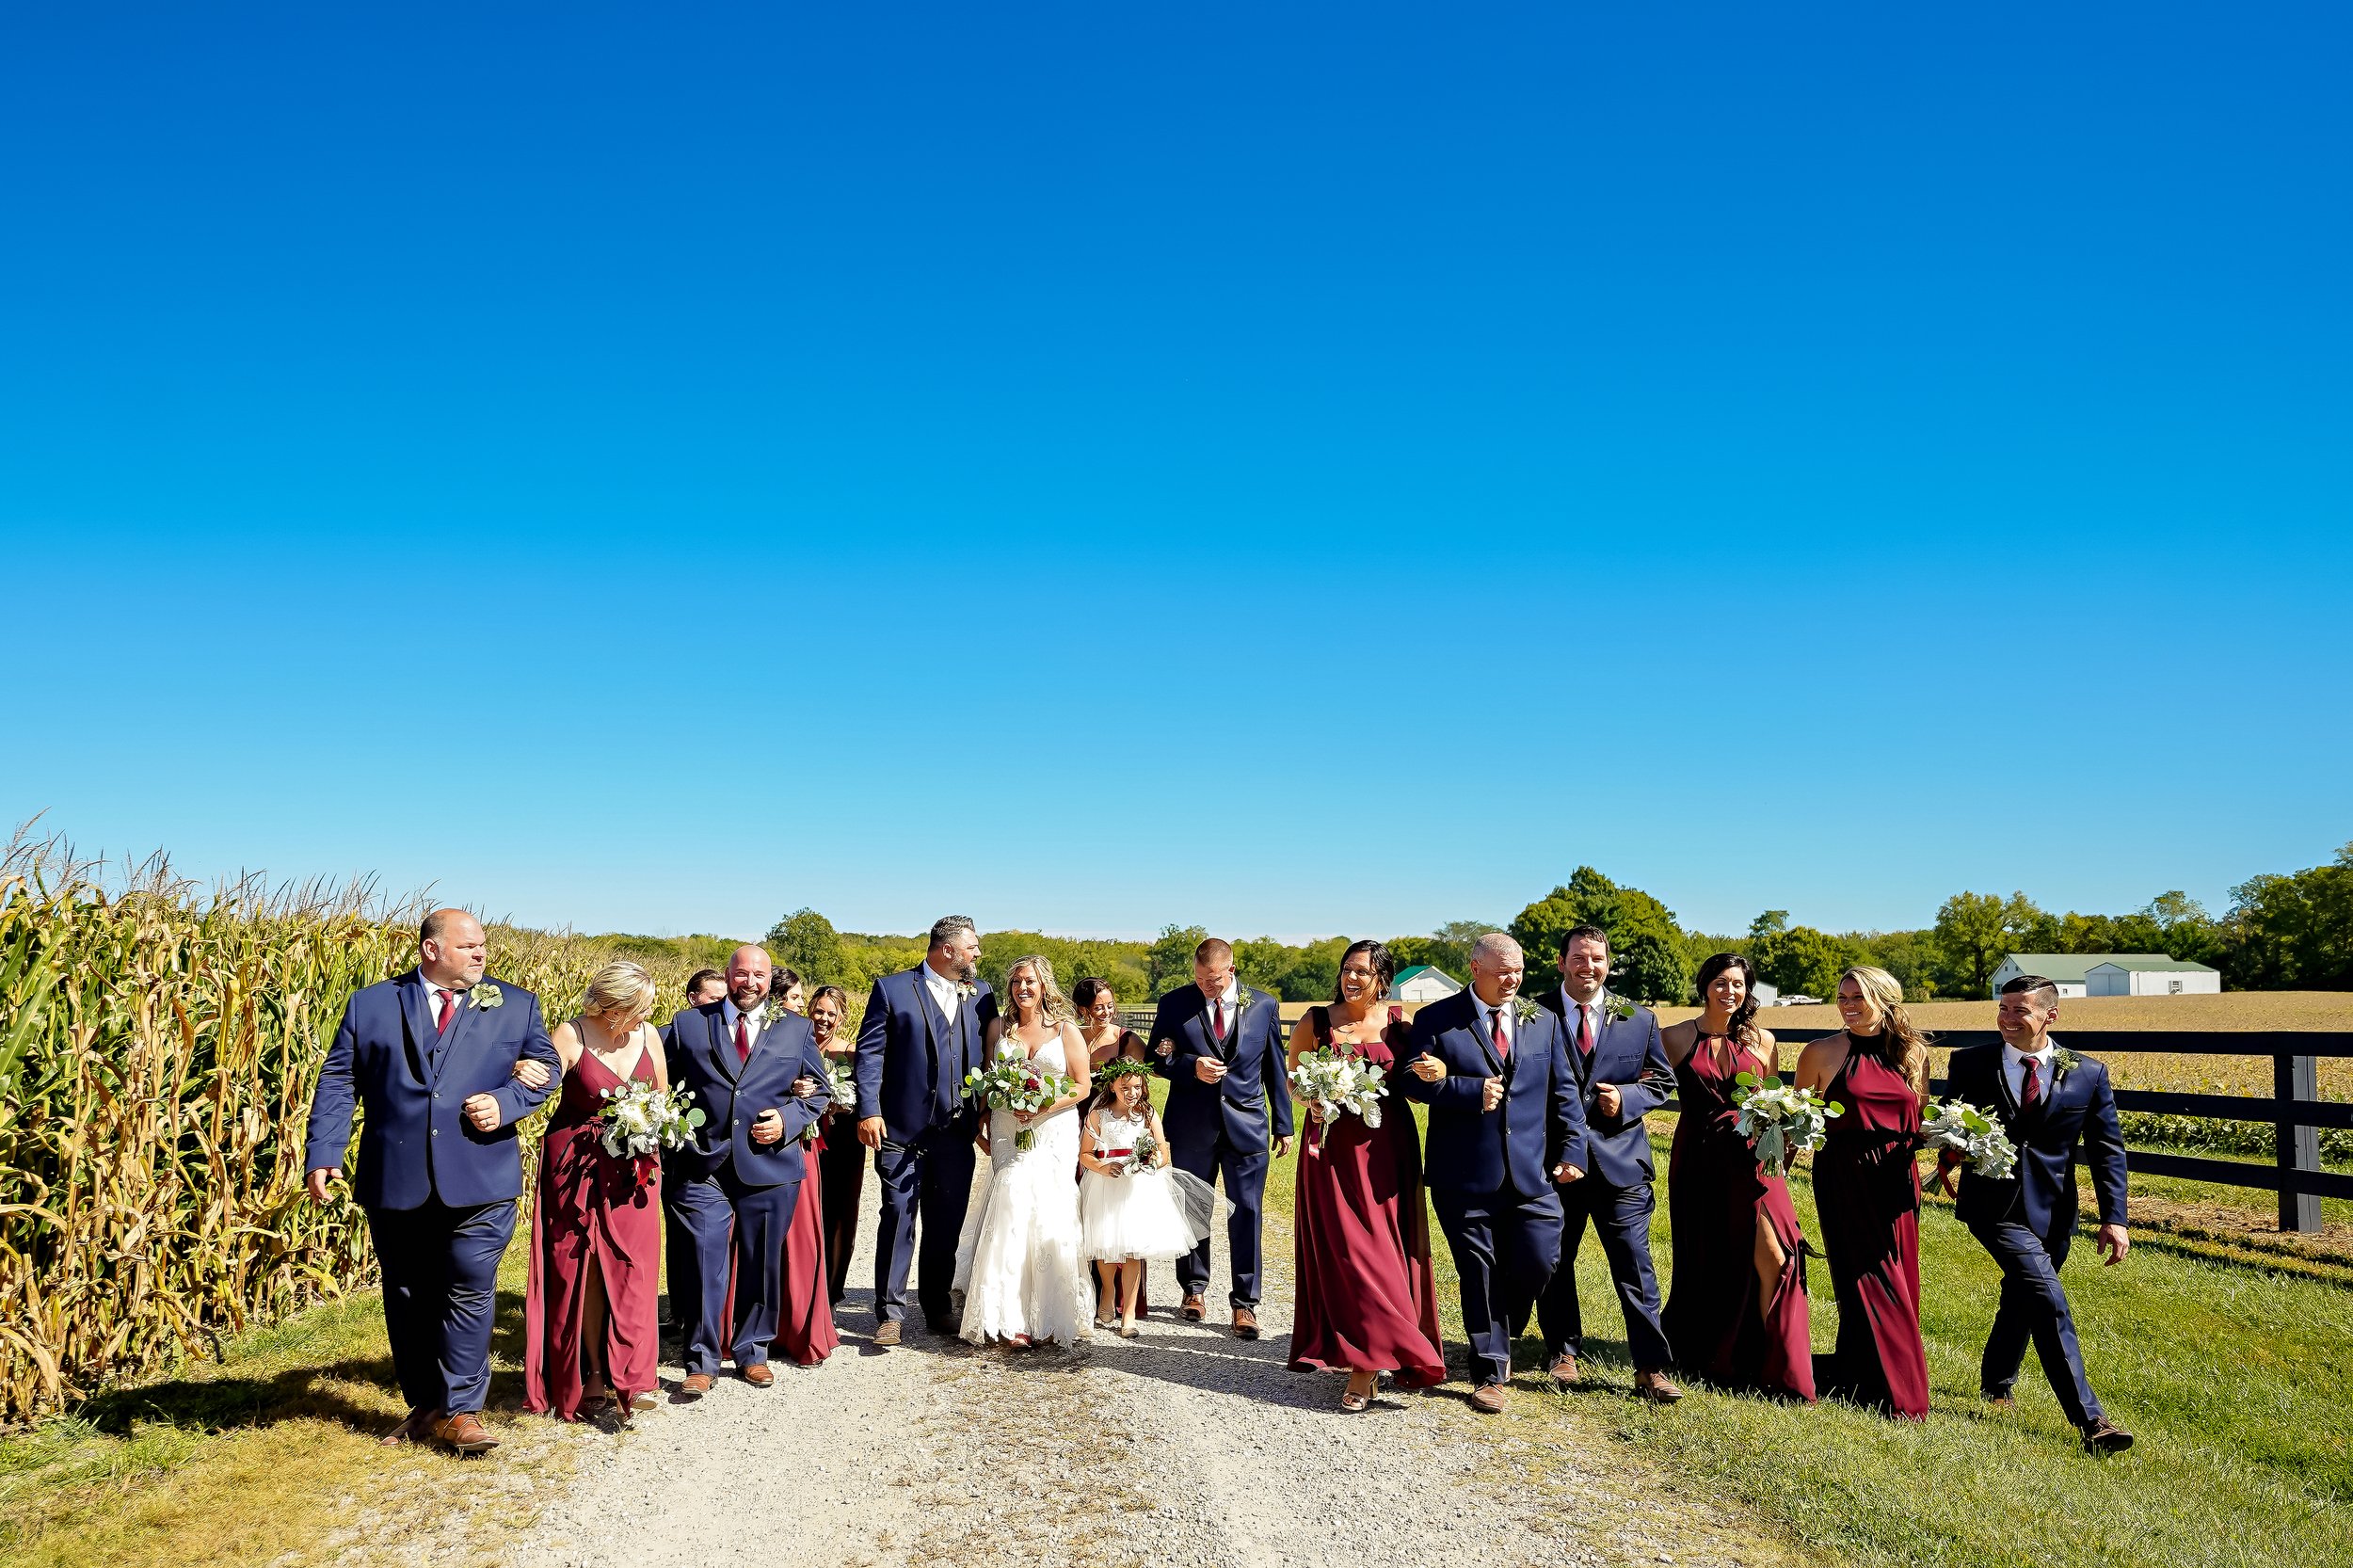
[158,1049]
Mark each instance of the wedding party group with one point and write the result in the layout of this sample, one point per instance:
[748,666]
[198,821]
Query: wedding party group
[737,1139]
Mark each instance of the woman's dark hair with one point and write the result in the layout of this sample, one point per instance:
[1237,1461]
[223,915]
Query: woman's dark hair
[694,981]
[782,981]
[1083,994]
[1383,966]
[1744,1015]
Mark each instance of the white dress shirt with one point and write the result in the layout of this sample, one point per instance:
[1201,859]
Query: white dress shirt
[434,992]
[1487,1016]
[2014,1068]
[1570,1008]
[943,992]
[1229,997]
[756,1017]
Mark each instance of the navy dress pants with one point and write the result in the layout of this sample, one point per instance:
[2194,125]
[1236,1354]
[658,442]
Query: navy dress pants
[1244,1171]
[440,1271]
[731,1230]
[1505,1247]
[1621,1221]
[930,1179]
[2034,1306]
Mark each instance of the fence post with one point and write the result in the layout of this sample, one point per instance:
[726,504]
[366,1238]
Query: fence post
[2296,1078]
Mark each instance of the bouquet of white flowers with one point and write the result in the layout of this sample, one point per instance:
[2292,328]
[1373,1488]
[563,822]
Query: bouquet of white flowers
[640,1119]
[1013,1083]
[1779,1121]
[840,1094]
[1145,1156]
[1959,1128]
[1338,1082]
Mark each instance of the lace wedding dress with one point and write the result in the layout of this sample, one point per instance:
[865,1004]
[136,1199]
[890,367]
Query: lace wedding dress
[1017,1261]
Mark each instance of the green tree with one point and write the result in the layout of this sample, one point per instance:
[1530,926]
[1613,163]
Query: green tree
[1798,959]
[2293,930]
[1974,932]
[1647,957]
[1168,962]
[806,942]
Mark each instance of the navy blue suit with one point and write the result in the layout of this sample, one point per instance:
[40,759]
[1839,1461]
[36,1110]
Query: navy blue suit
[2027,1221]
[1221,1128]
[440,1196]
[732,1197]
[1490,1172]
[1616,1194]
[911,1063]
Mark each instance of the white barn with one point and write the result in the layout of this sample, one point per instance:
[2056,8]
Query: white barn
[2111,974]
[1424,983]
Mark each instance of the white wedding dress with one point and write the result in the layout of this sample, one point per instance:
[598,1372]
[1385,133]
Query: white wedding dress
[1018,1262]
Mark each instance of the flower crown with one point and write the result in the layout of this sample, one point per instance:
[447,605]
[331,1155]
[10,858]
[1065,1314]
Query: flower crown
[1121,1066]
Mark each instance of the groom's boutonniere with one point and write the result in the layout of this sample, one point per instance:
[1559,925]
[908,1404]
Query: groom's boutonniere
[486,995]
[1523,1009]
[963,992]
[1241,1003]
[2062,1062]
[1619,1009]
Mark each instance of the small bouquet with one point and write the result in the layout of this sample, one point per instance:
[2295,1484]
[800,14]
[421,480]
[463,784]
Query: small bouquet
[840,1093]
[1337,1082]
[1013,1083]
[1779,1121]
[1958,1127]
[640,1119]
[1145,1156]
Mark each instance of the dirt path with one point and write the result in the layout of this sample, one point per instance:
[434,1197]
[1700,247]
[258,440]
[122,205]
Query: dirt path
[1182,1446]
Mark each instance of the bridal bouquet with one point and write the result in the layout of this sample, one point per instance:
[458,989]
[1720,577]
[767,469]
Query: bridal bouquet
[1336,1083]
[640,1120]
[1958,1127]
[1013,1083]
[1779,1121]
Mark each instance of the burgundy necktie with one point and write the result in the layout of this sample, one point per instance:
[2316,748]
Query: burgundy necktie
[2030,1092]
[1584,1030]
[742,1038]
[445,1008]
[1217,1019]
[1503,1045]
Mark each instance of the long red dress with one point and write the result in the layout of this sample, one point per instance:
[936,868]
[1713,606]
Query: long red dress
[1715,1198]
[1367,1297]
[591,1209]
[1867,1190]
[805,1331]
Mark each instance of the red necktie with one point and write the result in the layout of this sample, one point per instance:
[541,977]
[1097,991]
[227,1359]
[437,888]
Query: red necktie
[742,1038]
[1217,1019]
[1503,1046]
[1584,1030]
[445,1008]
[2030,1092]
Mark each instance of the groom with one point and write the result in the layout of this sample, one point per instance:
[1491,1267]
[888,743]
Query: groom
[1220,1044]
[428,1059]
[1494,1071]
[922,1033]
[730,1194]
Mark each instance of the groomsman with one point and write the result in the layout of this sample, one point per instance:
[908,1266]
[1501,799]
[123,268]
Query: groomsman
[1220,1044]
[922,1033]
[732,1192]
[427,1058]
[2048,1100]
[703,985]
[1621,1075]
[1494,1071]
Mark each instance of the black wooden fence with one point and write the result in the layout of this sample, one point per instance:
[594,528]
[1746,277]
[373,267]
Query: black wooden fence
[2295,1110]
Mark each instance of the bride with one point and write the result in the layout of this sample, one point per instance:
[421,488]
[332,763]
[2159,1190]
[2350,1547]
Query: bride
[1018,1262]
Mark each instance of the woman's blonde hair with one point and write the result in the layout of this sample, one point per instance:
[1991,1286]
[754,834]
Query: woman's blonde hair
[1884,994]
[622,987]
[1052,1006]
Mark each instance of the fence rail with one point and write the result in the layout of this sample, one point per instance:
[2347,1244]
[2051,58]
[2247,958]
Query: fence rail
[2295,1109]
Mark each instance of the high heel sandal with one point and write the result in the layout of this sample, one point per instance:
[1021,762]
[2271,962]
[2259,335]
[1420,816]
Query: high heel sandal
[1353,1401]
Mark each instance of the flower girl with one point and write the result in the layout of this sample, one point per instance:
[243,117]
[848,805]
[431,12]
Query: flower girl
[1132,1207]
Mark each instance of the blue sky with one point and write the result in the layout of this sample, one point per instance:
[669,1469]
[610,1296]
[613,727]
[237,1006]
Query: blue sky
[1294,470]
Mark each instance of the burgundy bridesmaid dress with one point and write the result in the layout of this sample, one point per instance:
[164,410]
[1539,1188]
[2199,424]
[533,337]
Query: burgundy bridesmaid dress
[1867,1192]
[1717,1197]
[843,1161]
[591,1209]
[1367,1296]
[805,1331]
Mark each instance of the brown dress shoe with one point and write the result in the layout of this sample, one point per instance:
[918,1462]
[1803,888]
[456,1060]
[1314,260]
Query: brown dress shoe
[1487,1398]
[694,1387]
[2001,1401]
[1654,1387]
[1246,1323]
[757,1375]
[1564,1371]
[464,1433]
[2105,1437]
[415,1428]
[888,1332]
[1193,1309]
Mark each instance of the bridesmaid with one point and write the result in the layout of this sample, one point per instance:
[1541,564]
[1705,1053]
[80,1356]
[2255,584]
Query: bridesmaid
[1737,1312]
[596,1229]
[841,1158]
[1099,1026]
[804,1329]
[1867,1192]
[1367,1295]
[791,994]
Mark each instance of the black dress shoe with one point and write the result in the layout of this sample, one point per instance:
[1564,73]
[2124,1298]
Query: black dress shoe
[2105,1437]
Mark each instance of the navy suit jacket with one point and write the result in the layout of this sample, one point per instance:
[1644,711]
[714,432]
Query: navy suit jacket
[733,1092]
[2079,1109]
[1629,1054]
[415,1142]
[1541,1121]
[1258,1069]
[901,1048]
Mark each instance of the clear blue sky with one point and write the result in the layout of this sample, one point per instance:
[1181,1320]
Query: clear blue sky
[1299,471]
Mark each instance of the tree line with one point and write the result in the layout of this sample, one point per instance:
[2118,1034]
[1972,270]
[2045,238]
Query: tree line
[2282,931]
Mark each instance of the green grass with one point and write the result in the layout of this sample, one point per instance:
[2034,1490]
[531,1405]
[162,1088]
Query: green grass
[2237,1378]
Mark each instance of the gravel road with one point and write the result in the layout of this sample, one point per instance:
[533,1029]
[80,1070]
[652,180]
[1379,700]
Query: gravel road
[1183,1446]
